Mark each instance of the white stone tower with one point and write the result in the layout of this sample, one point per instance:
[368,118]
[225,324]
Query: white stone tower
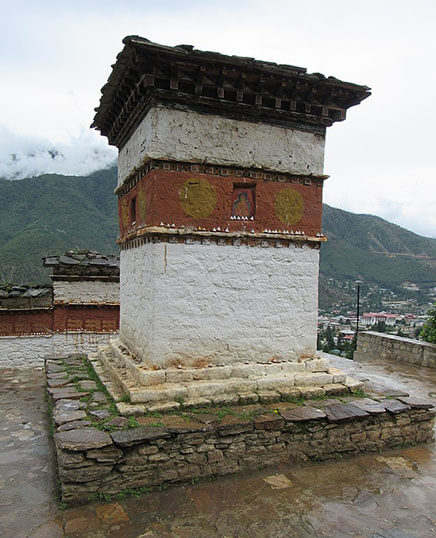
[220,176]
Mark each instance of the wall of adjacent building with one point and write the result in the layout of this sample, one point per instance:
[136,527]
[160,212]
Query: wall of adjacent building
[28,334]
[24,351]
[86,291]
[32,321]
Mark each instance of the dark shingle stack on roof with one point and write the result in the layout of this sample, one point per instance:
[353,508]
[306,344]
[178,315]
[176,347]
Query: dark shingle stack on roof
[85,263]
[25,296]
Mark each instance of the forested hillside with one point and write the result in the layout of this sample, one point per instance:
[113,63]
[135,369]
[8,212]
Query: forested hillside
[50,214]
[370,248]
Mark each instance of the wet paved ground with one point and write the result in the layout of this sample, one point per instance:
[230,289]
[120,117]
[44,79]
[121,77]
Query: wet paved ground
[390,495]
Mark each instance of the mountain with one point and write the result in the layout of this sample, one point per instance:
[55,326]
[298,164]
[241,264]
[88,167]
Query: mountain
[374,251]
[50,214]
[370,248]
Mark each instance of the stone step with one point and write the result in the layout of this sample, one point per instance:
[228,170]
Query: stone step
[147,377]
[226,399]
[179,388]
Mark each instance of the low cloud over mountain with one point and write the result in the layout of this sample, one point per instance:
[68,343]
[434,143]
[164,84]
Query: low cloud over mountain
[28,156]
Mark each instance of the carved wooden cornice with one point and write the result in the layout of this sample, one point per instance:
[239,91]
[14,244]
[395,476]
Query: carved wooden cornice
[147,74]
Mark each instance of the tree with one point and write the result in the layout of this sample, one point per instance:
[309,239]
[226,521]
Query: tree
[330,343]
[428,333]
[379,327]
[401,333]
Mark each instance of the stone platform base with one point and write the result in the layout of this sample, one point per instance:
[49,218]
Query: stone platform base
[100,453]
[142,389]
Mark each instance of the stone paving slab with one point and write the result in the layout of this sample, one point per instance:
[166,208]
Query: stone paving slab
[394,406]
[303,414]
[82,439]
[138,435]
[416,403]
[55,368]
[69,405]
[66,394]
[344,412]
[76,424]
[118,422]
[68,416]
[57,382]
[372,407]
[101,414]
[87,384]
[395,393]
[232,426]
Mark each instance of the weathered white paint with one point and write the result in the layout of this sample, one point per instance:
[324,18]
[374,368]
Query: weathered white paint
[24,351]
[218,304]
[190,136]
[85,292]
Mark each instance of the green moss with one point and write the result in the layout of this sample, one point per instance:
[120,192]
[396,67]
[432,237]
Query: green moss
[104,427]
[293,399]
[127,492]
[360,394]
[180,400]
[49,414]
[153,414]
[157,424]
[133,423]
[100,496]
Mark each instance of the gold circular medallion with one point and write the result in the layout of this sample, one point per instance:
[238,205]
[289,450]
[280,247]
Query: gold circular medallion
[289,206]
[197,198]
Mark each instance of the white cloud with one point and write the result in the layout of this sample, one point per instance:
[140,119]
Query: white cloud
[27,156]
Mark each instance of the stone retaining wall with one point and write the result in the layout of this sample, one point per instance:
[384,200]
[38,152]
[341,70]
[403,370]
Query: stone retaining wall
[374,345]
[190,445]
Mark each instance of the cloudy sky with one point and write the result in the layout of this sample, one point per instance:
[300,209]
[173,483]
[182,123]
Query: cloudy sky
[56,55]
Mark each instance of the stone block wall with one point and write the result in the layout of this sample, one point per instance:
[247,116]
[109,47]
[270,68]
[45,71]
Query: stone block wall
[99,452]
[373,345]
[93,461]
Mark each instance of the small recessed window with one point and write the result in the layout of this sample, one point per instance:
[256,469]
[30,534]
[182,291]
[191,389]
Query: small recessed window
[244,201]
[133,211]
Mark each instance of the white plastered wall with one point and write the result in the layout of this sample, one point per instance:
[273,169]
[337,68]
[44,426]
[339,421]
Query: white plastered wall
[198,304]
[26,351]
[85,292]
[190,136]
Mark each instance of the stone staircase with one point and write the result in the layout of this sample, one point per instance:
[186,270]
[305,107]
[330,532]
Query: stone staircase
[139,389]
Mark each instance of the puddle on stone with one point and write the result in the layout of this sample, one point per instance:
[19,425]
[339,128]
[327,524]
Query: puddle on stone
[406,468]
[278,481]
